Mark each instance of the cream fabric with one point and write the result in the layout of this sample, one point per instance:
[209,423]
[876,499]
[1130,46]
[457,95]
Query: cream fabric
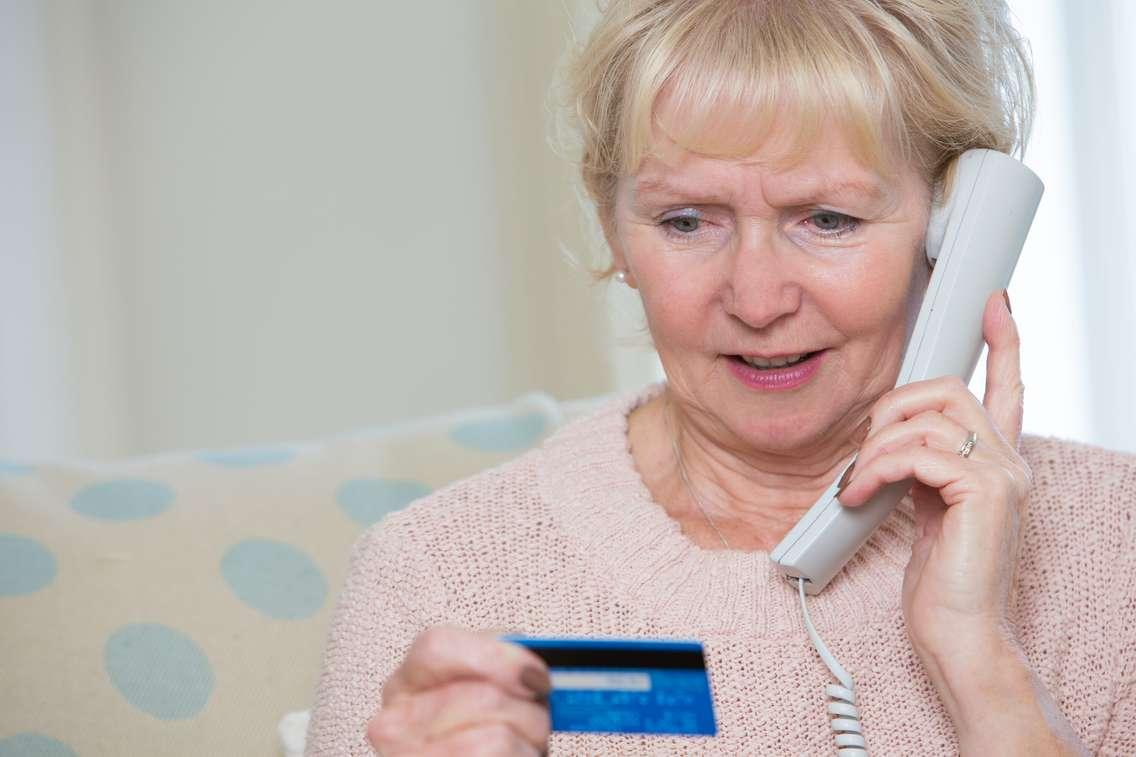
[179,605]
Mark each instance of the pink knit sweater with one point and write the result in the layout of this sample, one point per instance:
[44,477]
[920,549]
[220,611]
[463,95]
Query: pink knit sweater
[567,541]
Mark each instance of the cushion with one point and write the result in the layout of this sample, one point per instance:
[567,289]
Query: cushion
[178,604]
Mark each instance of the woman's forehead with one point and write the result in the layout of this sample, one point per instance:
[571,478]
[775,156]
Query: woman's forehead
[828,167]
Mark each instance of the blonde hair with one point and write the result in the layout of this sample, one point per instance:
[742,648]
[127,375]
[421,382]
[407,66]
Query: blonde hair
[910,80]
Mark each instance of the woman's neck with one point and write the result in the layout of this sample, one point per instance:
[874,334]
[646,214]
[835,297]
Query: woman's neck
[750,501]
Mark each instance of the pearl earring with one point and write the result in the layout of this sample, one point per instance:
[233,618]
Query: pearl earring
[621,276]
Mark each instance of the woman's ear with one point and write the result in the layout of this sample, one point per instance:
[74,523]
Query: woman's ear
[618,257]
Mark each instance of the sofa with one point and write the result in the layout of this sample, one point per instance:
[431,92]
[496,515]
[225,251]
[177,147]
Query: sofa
[178,604]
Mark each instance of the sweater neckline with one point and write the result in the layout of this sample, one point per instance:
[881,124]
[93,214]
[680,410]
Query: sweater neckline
[592,486]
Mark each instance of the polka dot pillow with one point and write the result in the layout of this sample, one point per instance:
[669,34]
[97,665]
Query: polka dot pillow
[179,604]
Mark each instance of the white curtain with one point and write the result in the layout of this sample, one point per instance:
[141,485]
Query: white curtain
[33,392]
[1101,103]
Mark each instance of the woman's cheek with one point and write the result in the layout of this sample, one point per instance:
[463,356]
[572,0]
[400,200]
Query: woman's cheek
[673,316]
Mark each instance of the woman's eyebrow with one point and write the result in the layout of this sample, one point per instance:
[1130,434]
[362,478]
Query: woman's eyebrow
[653,185]
[854,189]
[661,185]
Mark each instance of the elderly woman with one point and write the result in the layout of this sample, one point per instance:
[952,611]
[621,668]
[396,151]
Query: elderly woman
[764,172]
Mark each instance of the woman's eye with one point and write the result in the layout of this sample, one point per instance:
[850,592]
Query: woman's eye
[833,224]
[684,224]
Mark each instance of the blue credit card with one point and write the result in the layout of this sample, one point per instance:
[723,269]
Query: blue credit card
[626,685]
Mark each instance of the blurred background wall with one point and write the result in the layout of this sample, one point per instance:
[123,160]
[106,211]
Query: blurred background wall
[225,222]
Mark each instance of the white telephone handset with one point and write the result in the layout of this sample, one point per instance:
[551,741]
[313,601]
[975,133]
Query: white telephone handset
[973,240]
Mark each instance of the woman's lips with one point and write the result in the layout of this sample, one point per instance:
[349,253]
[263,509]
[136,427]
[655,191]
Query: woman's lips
[776,379]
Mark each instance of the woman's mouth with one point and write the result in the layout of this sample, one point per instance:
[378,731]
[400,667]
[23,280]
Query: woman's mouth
[776,362]
[776,373]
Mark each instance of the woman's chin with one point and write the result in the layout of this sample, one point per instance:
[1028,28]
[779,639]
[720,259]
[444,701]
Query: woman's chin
[797,442]
[796,434]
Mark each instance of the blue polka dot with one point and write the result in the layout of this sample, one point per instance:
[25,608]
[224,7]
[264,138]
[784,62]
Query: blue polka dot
[159,670]
[367,500]
[500,434]
[275,578]
[9,468]
[124,499]
[34,745]
[248,457]
[25,565]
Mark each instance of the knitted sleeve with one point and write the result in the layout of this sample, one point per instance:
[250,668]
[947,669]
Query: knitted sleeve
[1120,727]
[1120,731]
[392,592]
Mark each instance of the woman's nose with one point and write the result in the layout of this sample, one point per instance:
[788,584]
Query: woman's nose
[762,284]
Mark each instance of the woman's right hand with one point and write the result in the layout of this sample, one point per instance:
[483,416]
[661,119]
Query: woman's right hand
[461,692]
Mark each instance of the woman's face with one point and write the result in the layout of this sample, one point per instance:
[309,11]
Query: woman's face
[751,261]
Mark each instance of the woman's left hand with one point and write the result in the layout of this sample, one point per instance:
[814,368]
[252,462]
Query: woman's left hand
[958,585]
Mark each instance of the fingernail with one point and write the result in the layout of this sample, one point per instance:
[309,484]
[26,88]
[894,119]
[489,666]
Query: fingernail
[537,680]
[1006,297]
[867,429]
[844,479]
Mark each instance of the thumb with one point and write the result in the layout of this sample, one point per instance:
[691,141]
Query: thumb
[1004,389]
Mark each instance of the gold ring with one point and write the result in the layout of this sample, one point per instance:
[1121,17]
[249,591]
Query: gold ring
[968,446]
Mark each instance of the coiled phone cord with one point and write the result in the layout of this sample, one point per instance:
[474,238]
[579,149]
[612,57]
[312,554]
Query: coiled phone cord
[845,715]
